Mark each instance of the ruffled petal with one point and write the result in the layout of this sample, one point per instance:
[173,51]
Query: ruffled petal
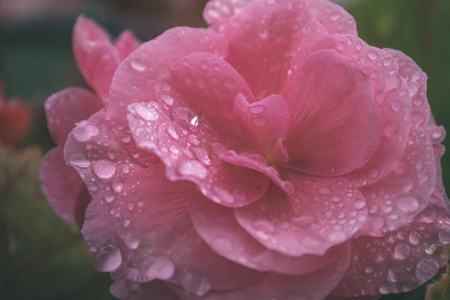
[400,261]
[208,84]
[123,288]
[61,184]
[392,97]
[400,196]
[143,76]
[96,57]
[264,124]
[416,80]
[218,227]
[66,108]
[319,214]
[190,149]
[336,124]
[313,286]
[218,12]
[126,43]
[155,225]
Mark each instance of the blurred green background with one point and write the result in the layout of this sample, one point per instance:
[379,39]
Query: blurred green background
[43,258]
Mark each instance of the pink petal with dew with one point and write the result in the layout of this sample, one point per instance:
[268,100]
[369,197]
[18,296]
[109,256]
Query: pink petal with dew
[392,97]
[218,227]
[267,37]
[96,57]
[102,240]
[264,124]
[313,286]
[126,43]
[190,148]
[218,12]
[416,80]
[336,124]
[405,192]
[162,244]
[61,184]
[100,160]
[144,76]
[123,288]
[67,107]
[208,84]
[319,214]
[400,261]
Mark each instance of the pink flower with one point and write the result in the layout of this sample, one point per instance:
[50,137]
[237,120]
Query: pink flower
[272,155]
[97,59]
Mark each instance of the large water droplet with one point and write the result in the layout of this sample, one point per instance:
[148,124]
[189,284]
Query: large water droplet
[108,259]
[161,268]
[426,268]
[79,160]
[193,168]
[444,235]
[414,238]
[401,251]
[185,114]
[104,169]
[407,204]
[137,65]
[202,155]
[394,274]
[85,133]
[147,111]
[166,98]
[195,282]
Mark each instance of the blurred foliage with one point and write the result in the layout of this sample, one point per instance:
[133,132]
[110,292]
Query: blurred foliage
[41,257]
[439,290]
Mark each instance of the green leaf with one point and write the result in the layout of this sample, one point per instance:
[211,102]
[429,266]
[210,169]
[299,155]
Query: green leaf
[439,290]
[41,257]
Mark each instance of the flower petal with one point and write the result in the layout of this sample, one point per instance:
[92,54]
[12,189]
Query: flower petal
[155,225]
[61,184]
[264,124]
[123,288]
[400,261]
[96,57]
[208,84]
[392,97]
[417,85]
[319,214]
[190,149]
[67,107]
[218,12]
[313,286]
[218,227]
[400,196]
[336,124]
[126,43]
[143,76]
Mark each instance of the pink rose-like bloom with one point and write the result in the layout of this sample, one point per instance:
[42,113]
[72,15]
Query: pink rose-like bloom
[274,155]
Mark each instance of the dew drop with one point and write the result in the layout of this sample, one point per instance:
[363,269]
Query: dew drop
[426,268]
[222,245]
[393,275]
[117,186]
[337,237]
[401,251]
[259,121]
[324,191]
[360,204]
[79,160]
[193,168]
[137,65]
[263,225]
[104,169]
[414,238]
[185,114]
[202,155]
[387,288]
[263,32]
[444,235]
[407,185]
[195,282]
[148,111]
[372,55]
[161,268]
[335,16]
[408,204]
[166,98]
[108,259]
[85,133]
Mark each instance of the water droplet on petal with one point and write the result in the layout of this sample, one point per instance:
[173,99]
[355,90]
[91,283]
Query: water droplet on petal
[166,98]
[426,268]
[401,251]
[137,65]
[260,121]
[104,169]
[193,168]
[335,16]
[372,55]
[117,186]
[414,238]
[161,268]
[360,204]
[195,282]
[408,204]
[202,155]
[108,259]
[337,237]
[85,133]
[394,274]
[444,236]
[147,111]
[185,114]
[79,160]
[264,226]
[222,245]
